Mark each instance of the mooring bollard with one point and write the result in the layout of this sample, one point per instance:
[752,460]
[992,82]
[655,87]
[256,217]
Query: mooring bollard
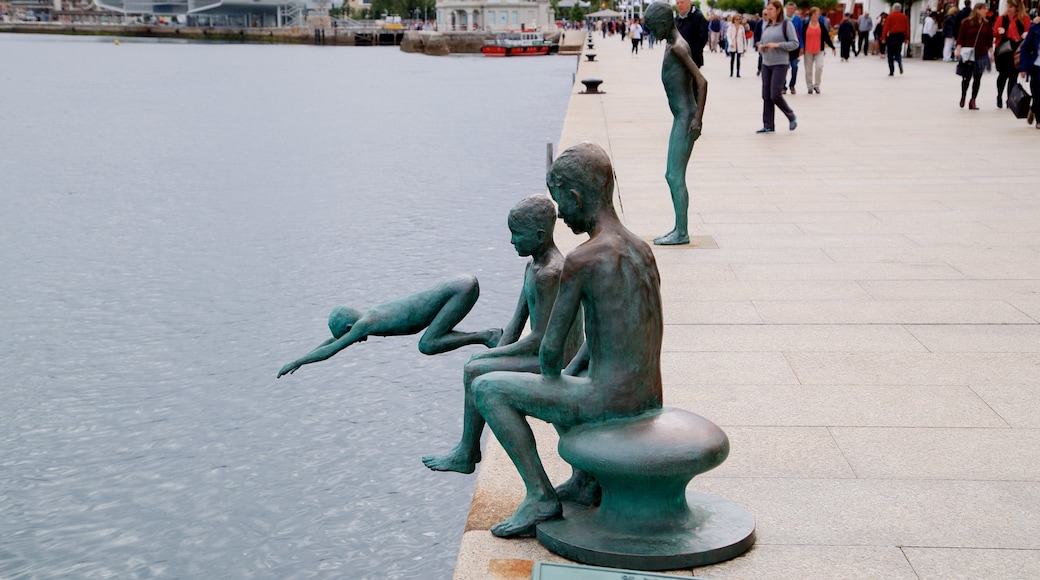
[590,45]
[591,56]
[592,86]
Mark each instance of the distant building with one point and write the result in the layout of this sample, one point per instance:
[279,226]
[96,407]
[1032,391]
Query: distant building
[359,4]
[236,13]
[495,15]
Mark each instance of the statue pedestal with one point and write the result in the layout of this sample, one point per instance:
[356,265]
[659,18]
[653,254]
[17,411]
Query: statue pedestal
[647,519]
[715,531]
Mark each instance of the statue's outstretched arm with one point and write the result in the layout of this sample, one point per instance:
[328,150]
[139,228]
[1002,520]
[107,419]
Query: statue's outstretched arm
[324,351]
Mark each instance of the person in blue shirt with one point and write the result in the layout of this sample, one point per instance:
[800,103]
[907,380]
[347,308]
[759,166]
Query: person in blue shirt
[1029,64]
[796,21]
[714,32]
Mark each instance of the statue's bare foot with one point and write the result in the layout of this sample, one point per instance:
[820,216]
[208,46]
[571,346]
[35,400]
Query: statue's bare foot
[672,238]
[530,513]
[455,460]
[581,489]
[496,335]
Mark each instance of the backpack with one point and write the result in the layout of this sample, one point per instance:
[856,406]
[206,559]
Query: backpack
[794,54]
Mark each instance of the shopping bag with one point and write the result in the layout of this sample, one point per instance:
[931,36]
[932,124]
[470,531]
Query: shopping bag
[1018,101]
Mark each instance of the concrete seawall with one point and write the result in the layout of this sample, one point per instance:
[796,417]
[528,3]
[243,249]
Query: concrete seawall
[414,41]
[296,35]
[258,35]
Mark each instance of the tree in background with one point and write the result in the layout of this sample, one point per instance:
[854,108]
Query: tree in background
[823,5]
[740,6]
[755,6]
[577,13]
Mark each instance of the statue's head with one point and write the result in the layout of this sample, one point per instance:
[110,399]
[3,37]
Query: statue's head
[581,182]
[531,222]
[342,319]
[659,18]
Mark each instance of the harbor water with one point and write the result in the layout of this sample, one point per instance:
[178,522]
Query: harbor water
[177,221]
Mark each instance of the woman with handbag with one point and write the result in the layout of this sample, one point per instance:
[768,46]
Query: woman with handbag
[736,43]
[779,38]
[974,45]
[1029,62]
[1008,31]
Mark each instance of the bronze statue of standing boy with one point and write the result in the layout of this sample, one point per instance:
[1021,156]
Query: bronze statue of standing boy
[687,90]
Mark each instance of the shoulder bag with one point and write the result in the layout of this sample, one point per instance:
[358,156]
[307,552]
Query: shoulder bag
[1005,46]
[794,54]
[966,62]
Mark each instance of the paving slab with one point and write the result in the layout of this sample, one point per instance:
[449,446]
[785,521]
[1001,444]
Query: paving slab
[858,272]
[1023,338]
[1016,404]
[860,311]
[782,452]
[680,287]
[780,562]
[884,512]
[868,368]
[960,289]
[942,563]
[725,368]
[791,337]
[914,453]
[912,312]
[795,405]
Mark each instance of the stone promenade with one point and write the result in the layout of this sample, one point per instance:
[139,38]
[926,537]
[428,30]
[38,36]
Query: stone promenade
[859,311]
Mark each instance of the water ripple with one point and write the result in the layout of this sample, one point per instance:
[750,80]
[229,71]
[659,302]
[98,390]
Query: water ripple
[179,232]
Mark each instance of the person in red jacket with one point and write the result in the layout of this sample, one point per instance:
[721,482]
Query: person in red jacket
[1008,32]
[895,33]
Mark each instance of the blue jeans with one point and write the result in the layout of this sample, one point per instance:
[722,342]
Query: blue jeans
[772,96]
[794,73]
[895,51]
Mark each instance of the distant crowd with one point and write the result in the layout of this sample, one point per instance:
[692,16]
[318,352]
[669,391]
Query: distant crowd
[785,39]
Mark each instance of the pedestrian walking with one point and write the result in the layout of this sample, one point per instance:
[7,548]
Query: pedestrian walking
[1008,32]
[929,35]
[693,27]
[736,41]
[756,37]
[974,48]
[714,32]
[949,33]
[635,32]
[779,38]
[1029,64]
[865,27]
[846,37]
[817,38]
[895,34]
[796,23]
[879,47]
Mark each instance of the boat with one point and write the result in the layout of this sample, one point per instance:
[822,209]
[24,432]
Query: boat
[526,43]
